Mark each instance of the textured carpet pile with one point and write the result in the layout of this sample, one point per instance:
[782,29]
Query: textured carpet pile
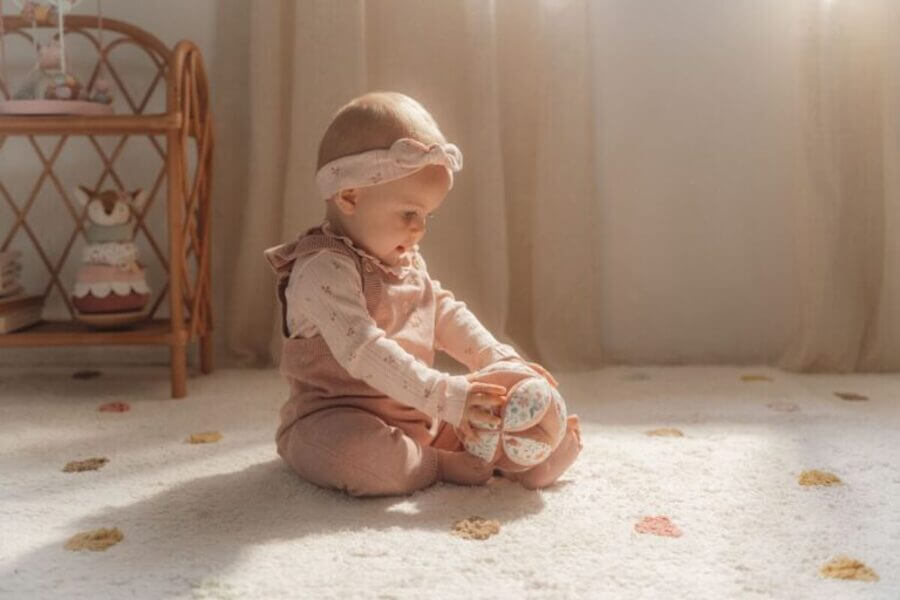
[694,483]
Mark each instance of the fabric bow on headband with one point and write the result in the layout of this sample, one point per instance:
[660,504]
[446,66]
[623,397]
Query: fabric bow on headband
[404,157]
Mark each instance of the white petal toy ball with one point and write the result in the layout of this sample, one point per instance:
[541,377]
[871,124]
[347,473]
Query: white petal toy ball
[533,420]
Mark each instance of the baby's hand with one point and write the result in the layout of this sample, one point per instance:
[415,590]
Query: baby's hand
[482,397]
[541,371]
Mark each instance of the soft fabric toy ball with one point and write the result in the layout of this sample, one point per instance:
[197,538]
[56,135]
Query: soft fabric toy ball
[533,420]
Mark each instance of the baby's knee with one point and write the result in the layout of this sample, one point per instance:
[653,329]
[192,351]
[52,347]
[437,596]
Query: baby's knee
[389,476]
[373,463]
[546,473]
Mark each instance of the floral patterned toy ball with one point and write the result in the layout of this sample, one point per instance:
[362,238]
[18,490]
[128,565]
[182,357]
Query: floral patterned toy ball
[533,420]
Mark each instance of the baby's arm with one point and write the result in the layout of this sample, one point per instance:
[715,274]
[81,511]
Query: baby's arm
[329,290]
[461,335]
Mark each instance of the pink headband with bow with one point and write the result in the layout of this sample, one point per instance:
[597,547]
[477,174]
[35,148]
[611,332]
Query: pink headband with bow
[404,157]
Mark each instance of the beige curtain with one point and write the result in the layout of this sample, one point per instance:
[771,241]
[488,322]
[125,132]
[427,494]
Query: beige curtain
[644,182]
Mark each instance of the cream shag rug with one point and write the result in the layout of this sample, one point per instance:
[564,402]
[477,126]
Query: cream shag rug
[718,512]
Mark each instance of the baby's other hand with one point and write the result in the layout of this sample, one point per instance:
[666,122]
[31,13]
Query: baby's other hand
[480,402]
[541,371]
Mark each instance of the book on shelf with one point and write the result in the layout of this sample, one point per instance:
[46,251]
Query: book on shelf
[19,311]
[9,285]
[8,257]
[10,291]
[10,270]
[21,317]
[9,273]
[19,301]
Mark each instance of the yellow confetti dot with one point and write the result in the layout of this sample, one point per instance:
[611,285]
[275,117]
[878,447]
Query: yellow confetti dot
[844,567]
[851,396]
[90,464]
[207,437]
[476,528]
[817,477]
[753,377]
[96,540]
[666,432]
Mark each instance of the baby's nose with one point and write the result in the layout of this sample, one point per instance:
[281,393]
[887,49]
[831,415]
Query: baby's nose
[418,224]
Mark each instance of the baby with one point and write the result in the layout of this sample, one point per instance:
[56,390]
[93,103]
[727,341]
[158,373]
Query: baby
[362,319]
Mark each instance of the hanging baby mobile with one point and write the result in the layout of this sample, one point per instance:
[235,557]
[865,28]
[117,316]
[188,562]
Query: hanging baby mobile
[50,87]
[110,286]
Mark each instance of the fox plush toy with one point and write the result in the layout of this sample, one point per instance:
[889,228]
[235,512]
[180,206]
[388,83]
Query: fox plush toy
[110,280]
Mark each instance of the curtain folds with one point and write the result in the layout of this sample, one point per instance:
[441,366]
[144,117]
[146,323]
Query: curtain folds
[644,182]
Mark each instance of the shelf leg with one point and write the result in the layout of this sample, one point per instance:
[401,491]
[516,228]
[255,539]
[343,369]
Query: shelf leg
[175,175]
[179,370]
[206,353]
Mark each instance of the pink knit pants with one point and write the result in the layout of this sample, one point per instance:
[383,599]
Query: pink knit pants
[356,451]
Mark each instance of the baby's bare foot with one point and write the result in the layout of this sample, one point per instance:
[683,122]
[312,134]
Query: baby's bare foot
[463,468]
[559,461]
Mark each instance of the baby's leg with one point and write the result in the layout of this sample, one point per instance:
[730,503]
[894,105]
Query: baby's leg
[355,451]
[463,468]
[562,458]
[456,465]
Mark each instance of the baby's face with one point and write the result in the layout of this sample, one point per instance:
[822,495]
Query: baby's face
[389,219]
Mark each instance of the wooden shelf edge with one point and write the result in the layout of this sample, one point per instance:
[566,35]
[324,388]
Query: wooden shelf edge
[88,125]
[72,333]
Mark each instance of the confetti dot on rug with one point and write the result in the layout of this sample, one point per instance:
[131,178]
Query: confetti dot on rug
[96,540]
[476,528]
[637,377]
[844,567]
[783,406]
[86,374]
[114,407]
[213,590]
[851,397]
[753,377]
[89,464]
[665,432]
[817,477]
[207,437]
[657,526]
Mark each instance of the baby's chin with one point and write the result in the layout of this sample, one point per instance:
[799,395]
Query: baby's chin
[397,256]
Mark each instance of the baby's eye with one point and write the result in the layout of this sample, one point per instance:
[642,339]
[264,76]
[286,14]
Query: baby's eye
[409,215]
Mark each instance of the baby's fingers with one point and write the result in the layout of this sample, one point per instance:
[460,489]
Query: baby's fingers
[545,374]
[465,429]
[488,388]
[487,401]
[485,416]
[468,434]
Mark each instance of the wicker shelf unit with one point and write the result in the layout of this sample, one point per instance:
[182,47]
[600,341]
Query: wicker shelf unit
[187,129]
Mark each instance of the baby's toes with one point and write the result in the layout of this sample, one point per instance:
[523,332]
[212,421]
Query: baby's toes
[479,470]
[573,425]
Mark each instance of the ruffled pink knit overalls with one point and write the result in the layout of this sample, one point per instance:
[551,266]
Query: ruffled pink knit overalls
[339,432]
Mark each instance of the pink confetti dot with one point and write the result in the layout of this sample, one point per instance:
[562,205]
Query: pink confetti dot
[657,526]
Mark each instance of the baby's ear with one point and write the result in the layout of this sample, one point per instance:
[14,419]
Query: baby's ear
[83,195]
[138,198]
[347,200]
